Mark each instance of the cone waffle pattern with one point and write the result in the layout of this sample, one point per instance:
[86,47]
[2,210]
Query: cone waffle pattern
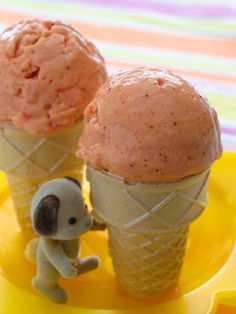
[145,264]
[147,238]
[31,160]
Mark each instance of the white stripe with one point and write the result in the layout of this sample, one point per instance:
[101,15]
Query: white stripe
[228,123]
[228,139]
[205,86]
[2,27]
[159,53]
[176,66]
[163,63]
[214,85]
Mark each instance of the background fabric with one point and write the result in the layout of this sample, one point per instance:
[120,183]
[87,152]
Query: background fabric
[194,38]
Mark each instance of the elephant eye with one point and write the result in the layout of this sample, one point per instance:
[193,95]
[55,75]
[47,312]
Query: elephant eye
[72,220]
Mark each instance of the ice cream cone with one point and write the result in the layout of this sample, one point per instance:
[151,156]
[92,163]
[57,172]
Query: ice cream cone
[29,160]
[148,227]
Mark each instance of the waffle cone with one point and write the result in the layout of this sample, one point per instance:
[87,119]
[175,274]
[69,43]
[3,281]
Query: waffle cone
[31,160]
[148,227]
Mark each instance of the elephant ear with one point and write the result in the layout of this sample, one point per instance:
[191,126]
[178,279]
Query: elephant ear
[45,215]
[74,180]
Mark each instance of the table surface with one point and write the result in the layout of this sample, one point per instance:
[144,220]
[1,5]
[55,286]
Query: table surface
[207,277]
[12,298]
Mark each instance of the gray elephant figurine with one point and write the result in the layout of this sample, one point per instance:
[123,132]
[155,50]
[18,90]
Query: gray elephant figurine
[59,216]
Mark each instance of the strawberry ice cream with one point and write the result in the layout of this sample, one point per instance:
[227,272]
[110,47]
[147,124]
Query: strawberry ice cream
[49,73]
[150,125]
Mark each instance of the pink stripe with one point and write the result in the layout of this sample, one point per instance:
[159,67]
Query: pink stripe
[229,148]
[193,10]
[227,130]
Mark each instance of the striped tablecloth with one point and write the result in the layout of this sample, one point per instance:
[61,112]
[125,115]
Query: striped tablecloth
[195,38]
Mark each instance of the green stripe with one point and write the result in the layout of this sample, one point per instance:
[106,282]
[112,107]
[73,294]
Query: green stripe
[199,24]
[140,57]
[224,105]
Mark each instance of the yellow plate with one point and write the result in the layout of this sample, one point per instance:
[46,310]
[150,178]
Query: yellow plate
[208,275]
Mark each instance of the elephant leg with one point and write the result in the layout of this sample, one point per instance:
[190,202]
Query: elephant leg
[46,282]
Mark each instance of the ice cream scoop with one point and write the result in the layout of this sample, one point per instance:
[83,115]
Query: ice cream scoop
[49,73]
[150,125]
[149,140]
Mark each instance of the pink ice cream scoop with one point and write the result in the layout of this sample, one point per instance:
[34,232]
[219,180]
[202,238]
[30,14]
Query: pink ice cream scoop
[150,125]
[49,73]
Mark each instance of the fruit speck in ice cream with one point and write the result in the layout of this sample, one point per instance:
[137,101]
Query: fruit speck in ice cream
[150,125]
